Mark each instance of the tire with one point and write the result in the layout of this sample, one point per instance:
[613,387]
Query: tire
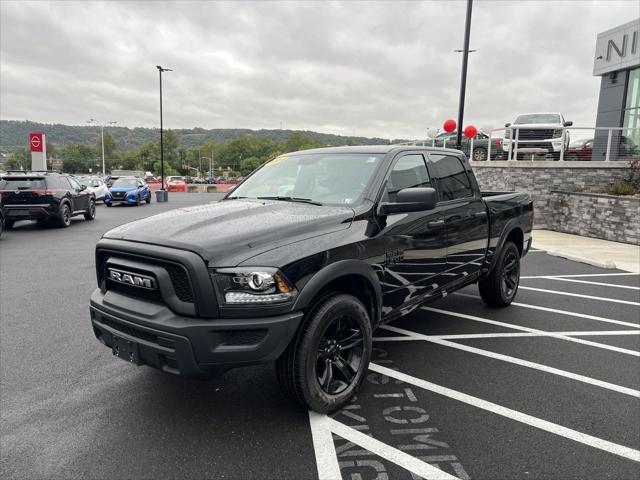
[64,219]
[148,199]
[499,288]
[479,154]
[109,204]
[138,201]
[90,214]
[572,157]
[310,371]
[8,224]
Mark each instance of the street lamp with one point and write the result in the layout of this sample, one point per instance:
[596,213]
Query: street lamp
[93,121]
[162,197]
[463,79]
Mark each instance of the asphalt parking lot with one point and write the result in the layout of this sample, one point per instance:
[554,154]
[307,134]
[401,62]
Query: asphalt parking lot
[547,388]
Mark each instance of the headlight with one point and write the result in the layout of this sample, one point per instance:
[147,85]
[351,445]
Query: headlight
[253,285]
[557,133]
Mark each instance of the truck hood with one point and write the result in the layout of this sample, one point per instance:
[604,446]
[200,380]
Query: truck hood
[538,125]
[229,232]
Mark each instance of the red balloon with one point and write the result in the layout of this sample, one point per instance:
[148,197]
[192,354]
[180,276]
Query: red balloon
[470,131]
[449,126]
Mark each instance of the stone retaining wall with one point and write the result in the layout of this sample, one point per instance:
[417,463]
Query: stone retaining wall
[540,179]
[609,217]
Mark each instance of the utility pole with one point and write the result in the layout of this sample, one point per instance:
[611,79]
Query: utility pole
[163,197]
[463,80]
[102,125]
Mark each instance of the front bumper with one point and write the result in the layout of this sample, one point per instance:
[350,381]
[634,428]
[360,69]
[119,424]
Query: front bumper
[115,201]
[186,346]
[551,145]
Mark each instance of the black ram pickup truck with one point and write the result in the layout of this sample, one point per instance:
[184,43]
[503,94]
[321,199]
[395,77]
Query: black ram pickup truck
[302,261]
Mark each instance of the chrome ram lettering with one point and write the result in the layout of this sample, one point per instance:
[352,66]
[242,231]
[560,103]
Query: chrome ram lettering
[133,279]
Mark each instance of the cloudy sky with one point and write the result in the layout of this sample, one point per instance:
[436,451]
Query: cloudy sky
[378,69]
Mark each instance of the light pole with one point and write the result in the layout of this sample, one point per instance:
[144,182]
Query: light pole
[163,197]
[463,79]
[93,121]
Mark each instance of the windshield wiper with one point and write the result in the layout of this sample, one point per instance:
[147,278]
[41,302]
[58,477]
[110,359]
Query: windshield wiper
[291,199]
[233,198]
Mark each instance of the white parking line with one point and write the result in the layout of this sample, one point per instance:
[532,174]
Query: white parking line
[518,361]
[583,275]
[324,448]
[465,336]
[591,283]
[562,312]
[545,425]
[534,330]
[600,299]
[323,426]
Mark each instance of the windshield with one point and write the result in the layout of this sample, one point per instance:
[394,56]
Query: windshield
[7,183]
[125,182]
[537,118]
[324,178]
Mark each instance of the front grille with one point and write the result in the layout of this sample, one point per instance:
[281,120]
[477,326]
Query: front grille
[534,134]
[180,281]
[153,295]
[118,195]
[177,273]
[131,331]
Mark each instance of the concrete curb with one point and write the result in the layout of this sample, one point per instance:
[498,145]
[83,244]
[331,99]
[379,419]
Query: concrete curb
[575,258]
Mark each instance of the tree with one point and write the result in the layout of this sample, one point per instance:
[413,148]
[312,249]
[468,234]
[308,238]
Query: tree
[19,159]
[78,157]
[248,165]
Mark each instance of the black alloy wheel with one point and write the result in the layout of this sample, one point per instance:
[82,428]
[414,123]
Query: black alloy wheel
[90,214]
[499,287]
[510,274]
[325,363]
[339,355]
[65,215]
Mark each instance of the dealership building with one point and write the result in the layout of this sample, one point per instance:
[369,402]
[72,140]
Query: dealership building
[617,62]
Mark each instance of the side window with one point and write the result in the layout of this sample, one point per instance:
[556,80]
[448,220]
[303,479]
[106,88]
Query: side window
[74,183]
[409,171]
[450,177]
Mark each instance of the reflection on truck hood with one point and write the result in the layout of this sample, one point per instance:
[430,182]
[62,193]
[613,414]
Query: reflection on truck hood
[229,232]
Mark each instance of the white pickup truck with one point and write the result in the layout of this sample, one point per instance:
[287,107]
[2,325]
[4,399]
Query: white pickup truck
[536,134]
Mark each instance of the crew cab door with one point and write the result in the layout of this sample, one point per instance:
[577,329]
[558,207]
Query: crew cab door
[80,197]
[414,242]
[466,218]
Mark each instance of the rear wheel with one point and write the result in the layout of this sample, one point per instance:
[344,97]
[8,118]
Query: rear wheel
[327,360]
[148,199]
[64,219]
[500,287]
[479,154]
[90,214]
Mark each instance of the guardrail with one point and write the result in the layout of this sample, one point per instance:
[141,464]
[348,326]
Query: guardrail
[541,142]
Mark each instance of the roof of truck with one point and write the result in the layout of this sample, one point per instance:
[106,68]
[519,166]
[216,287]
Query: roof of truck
[379,149]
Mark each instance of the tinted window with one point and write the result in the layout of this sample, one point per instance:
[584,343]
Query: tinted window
[74,183]
[409,171]
[60,183]
[8,183]
[450,177]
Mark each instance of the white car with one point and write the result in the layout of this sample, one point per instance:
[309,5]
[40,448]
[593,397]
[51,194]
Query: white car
[537,133]
[94,185]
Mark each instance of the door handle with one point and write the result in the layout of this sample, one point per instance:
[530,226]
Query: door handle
[480,214]
[435,223]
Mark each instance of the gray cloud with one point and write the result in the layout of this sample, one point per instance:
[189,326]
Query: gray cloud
[382,68]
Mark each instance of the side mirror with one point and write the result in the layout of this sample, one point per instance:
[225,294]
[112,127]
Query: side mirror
[83,188]
[507,125]
[568,124]
[415,199]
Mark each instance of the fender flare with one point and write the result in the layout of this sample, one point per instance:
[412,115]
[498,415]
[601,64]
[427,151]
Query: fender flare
[336,270]
[511,225]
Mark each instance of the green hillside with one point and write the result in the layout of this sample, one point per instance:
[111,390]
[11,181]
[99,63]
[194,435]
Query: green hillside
[15,134]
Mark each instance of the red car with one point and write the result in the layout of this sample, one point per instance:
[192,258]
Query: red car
[176,184]
[582,150]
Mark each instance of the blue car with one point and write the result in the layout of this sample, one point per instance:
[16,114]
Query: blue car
[131,190]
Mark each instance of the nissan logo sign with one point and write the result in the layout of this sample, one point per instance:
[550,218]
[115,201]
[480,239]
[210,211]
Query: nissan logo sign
[133,279]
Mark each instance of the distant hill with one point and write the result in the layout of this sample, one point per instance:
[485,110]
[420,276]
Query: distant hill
[15,133]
